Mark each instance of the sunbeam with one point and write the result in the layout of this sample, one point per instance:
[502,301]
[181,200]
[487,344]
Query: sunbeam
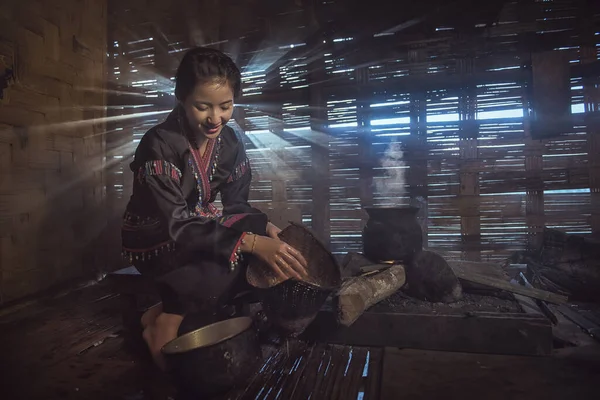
[274,149]
[57,127]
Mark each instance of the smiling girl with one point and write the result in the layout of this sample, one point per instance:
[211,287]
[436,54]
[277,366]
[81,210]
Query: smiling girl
[171,230]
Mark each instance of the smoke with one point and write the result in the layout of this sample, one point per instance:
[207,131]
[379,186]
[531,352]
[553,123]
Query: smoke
[392,187]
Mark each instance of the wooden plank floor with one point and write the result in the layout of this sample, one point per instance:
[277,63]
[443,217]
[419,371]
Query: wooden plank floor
[571,373]
[71,347]
[301,371]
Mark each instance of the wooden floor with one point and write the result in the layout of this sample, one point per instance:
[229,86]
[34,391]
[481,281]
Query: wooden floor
[300,371]
[71,347]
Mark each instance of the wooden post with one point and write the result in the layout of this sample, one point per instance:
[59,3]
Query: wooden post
[365,141]
[320,153]
[534,210]
[417,153]
[417,158]
[470,221]
[551,100]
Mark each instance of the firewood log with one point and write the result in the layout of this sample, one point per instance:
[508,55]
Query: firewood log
[360,293]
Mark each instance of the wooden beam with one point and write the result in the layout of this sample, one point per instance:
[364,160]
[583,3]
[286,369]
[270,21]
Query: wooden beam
[468,267]
[492,333]
[415,83]
[532,304]
[504,285]
[588,326]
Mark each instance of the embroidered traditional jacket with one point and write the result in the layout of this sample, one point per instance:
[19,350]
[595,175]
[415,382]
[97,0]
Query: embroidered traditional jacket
[174,188]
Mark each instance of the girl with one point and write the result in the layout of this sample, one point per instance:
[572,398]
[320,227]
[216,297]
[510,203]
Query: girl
[171,229]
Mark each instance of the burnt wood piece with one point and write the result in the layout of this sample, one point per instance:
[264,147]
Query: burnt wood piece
[430,278]
[541,304]
[359,294]
[493,333]
[505,285]
[375,268]
[567,263]
[588,326]
[483,268]
[353,263]
[567,333]
[534,306]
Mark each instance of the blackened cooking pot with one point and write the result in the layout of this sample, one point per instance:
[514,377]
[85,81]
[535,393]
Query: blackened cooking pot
[214,359]
[392,234]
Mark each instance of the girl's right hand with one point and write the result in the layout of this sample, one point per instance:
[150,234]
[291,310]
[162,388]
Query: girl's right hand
[285,261]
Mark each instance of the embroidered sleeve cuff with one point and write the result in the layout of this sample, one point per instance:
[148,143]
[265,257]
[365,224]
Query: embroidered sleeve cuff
[239,171]
[236,254]
[158,167]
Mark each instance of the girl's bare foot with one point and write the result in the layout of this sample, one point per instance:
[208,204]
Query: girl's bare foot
[160,332]
[151,314]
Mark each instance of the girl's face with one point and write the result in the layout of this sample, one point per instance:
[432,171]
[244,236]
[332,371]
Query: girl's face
[209,107]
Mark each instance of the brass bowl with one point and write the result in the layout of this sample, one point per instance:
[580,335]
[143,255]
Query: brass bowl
[214,359]
[207,336]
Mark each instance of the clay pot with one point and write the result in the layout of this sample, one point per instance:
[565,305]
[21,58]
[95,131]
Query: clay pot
[392,234]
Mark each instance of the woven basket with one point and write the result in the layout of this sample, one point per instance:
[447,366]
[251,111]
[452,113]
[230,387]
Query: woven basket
[323,269]
[292,305]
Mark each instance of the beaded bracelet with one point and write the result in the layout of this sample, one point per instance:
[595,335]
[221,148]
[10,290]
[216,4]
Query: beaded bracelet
[236,257]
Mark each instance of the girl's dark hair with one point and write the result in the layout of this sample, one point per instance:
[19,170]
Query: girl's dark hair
[202,65]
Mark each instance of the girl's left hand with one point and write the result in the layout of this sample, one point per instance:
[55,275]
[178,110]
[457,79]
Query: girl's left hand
[272,231]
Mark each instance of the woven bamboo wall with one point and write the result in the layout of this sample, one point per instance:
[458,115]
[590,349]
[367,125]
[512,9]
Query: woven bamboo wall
[52,184]
[461,98]
[325,98]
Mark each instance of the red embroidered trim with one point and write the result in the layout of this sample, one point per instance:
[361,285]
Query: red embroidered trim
[229,221]
[202,164]
[158,167]
[205,160]
[239,171]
